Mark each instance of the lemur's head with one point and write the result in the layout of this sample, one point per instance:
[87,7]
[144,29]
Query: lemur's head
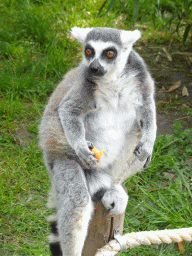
[105,49]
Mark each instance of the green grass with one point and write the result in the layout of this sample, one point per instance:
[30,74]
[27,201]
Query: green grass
[161,196]
[35,51]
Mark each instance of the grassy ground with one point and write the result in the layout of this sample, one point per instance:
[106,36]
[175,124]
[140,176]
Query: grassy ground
[35,51]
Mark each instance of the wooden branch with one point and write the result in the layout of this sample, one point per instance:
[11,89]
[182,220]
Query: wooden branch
[184,53]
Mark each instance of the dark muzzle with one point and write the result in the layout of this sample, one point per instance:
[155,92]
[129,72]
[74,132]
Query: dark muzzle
[96,69]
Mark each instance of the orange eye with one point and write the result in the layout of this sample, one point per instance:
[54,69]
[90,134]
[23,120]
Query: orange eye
[88,52]
[110,54]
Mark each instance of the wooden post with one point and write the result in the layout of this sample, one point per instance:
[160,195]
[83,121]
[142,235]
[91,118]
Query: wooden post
[101,229]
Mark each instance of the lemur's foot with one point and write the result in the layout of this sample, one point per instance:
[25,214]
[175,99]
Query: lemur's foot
[115,200]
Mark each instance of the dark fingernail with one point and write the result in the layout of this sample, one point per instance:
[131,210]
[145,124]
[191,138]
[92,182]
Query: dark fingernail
[91,146]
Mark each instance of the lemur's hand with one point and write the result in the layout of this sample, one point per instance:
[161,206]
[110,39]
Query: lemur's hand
[144,150]
[86,155]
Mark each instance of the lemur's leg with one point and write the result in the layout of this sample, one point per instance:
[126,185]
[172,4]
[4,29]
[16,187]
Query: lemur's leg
[74,206]
[101,187]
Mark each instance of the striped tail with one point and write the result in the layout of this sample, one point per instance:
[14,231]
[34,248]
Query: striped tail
[54,243]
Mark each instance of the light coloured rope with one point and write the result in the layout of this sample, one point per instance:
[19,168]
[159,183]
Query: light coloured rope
[146,238]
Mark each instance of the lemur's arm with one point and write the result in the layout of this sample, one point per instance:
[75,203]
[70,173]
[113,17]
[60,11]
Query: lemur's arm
[147,116]
[71,112]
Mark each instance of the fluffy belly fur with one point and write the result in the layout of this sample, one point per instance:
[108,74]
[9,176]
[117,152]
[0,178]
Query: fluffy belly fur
[108,130]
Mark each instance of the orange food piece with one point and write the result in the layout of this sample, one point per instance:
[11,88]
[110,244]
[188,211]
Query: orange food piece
[98,153]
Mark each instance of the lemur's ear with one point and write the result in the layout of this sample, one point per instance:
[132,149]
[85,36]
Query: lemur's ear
[129,37]
[80,33]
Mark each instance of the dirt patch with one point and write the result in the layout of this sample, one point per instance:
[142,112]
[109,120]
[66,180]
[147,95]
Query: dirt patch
[22,135]
[171,67]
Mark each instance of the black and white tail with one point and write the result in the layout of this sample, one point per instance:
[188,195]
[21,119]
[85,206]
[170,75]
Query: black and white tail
[54,243]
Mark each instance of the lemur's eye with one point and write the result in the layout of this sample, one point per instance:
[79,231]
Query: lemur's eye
[110,54]
[88,51]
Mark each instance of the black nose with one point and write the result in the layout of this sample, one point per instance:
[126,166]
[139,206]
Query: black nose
[96,68]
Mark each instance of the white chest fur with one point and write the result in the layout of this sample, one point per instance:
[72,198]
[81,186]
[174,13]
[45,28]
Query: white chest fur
[113,118]
[118,93]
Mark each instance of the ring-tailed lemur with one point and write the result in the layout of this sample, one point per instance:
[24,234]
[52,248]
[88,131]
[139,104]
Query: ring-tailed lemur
[108,102]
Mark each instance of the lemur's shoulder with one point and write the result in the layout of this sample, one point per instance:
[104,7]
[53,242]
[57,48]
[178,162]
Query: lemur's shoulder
[136,63]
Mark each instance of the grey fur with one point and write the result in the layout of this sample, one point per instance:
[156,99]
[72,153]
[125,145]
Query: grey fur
[105,35]
[107,102]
